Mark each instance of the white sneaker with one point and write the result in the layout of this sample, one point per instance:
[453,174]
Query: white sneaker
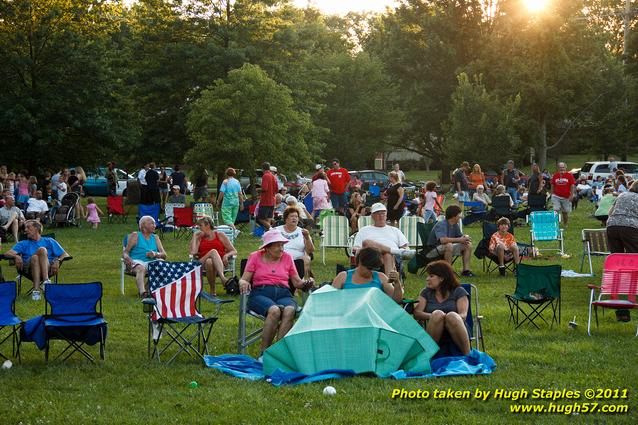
[237,232]
[35,295]
[44,285]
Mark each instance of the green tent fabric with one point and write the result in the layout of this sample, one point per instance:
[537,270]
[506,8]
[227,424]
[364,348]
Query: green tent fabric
[358,329]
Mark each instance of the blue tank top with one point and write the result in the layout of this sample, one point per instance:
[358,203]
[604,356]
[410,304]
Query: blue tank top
[138,252]
[374,283]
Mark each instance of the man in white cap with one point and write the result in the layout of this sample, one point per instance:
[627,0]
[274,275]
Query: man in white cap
[387,239]
[318,170]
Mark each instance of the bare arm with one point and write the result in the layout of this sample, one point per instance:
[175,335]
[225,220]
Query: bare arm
[401,192]
[462,305]
[194,245]
[132,241]
[339,280]
[309,247]
[244,282]
[419,310]
[392,285]
[160,253]
[228,246]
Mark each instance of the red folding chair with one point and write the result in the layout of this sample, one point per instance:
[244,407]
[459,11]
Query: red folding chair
[183,221]
[115,208]
[619,286]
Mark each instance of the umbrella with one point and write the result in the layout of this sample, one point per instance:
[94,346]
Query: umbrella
[362,330]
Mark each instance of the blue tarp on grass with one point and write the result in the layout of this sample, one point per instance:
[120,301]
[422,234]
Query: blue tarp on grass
[245,367]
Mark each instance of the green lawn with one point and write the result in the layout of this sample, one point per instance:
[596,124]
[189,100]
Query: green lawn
[127,388]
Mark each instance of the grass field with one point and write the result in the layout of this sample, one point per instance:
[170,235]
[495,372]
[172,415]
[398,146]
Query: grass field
[127,388]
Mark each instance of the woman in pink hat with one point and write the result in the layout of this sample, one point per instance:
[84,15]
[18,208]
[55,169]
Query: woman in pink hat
[273,275]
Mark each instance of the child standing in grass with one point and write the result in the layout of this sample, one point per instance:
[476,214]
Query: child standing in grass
[93,211]
[430,202]
[503,245]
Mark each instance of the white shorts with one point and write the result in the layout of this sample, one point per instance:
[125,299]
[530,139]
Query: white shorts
[439,250]
[561,204]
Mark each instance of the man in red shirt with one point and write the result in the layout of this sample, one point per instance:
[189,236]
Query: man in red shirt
[338,178]
[267,197]
[563,186]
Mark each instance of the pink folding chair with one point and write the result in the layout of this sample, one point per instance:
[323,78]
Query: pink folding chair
[620,279]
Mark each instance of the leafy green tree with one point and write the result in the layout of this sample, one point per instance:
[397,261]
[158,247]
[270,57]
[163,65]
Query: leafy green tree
[246,120]
[58,91]
[481,128]
[362,110]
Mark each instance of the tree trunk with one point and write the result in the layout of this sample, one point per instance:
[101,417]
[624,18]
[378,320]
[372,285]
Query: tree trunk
[542,151]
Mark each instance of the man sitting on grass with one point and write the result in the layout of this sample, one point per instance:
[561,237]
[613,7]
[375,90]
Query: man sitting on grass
[37,257]
[503,245]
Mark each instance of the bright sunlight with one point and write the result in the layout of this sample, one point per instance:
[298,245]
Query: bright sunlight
[535,5]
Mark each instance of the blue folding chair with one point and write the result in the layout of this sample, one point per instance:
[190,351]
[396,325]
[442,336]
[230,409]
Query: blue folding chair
[545,226]
[154,211]
[8,319]
[73,314]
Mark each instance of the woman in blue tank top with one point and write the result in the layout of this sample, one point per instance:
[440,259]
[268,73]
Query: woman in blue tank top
[365,276]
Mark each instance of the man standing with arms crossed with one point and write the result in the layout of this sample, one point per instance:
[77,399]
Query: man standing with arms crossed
[563,185]
[339,179]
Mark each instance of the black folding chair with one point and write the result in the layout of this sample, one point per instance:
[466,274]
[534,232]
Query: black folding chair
[537,290]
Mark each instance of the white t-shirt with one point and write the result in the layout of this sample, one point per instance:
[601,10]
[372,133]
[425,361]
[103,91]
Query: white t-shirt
[141,176]
[62,189]
[37,205]
[295,246]
[389,236]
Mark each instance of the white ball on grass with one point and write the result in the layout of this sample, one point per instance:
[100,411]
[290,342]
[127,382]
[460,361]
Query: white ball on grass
[329,390]
[7,364]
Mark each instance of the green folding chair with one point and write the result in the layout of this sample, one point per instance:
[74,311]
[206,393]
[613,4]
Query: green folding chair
[537,291]
[363,221]
[334,234]
[408,226]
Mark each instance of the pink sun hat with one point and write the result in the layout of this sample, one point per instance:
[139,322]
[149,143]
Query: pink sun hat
[272,236]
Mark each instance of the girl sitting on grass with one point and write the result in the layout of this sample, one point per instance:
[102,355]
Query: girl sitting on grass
[93,211]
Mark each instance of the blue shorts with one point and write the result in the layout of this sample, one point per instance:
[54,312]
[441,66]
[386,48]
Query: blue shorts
[263,297]
[338,200]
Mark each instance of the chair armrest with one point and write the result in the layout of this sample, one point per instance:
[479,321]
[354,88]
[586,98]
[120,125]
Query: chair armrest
[67,258]
[593,287]
[215,300]
[149,301]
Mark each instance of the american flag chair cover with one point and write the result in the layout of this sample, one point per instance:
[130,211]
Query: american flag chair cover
[175,288]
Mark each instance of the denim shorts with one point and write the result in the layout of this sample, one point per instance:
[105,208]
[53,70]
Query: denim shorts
[263,297]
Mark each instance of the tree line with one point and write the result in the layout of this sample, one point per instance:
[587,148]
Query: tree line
[219,83]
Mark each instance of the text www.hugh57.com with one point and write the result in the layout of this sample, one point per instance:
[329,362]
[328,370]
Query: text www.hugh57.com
[569,409]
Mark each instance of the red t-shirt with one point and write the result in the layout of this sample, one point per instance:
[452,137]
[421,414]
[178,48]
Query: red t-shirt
[338,180]
[562,184]
[268,190]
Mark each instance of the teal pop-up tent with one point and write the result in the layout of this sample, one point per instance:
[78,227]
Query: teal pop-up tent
[359,329]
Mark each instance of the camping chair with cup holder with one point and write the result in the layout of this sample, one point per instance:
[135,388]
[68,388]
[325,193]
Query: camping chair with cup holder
[8,320]
[175,322]
[73,314]
[537,291]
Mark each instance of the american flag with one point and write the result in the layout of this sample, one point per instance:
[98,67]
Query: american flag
[175,288]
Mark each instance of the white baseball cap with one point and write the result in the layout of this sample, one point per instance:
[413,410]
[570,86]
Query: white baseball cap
[377,207]
[318,167]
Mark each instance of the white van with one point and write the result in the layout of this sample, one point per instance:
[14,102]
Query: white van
[592,170]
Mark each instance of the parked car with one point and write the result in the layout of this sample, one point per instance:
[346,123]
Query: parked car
[371,177]
[96,184]
[593,169]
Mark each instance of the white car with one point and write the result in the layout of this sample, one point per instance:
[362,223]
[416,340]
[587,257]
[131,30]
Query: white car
[592,170]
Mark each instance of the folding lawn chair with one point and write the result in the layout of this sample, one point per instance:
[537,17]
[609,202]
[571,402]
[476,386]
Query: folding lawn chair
[115,209]
[335,234]
[73,313]
[246,336]
[501,208]
[205,209]
[420,260]
[408,226]
[363,221]
[474,317]
[482,252]
[169,211]
[620,279]
[230,234]
[8,319]
[545,227]
[183,221]
[594,243]
[536,203]
[537,287]
[175,324]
